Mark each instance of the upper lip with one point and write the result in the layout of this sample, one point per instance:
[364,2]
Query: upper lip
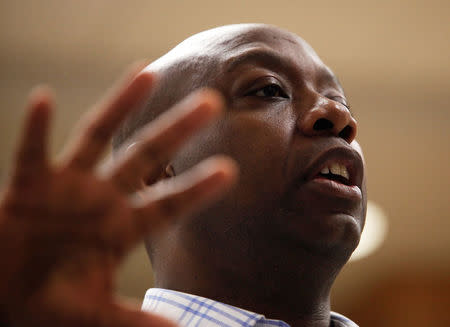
[342,155]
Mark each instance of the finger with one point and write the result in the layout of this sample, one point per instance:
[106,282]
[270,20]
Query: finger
[97,126]
[156,143]
[127,316]
[181,196]
[31,157]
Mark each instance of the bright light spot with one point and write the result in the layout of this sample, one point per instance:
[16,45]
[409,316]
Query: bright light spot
[374,232]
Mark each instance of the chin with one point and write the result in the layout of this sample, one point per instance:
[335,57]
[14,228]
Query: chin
[335,234]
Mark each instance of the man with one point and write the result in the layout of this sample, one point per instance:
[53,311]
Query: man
[266,253]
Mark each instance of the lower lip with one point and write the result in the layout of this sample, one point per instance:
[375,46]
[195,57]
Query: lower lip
[335,189]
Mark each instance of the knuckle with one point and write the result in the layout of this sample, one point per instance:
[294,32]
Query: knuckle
[123,181]
[98,132]
[168,206]
[23,179]
[184,127]
[30,153]
[154,154]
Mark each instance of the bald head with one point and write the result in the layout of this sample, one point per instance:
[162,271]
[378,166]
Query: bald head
[221,42]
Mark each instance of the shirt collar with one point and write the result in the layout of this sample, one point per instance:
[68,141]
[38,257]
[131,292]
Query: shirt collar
[189,310]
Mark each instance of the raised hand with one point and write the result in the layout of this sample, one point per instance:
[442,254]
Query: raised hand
[66,225]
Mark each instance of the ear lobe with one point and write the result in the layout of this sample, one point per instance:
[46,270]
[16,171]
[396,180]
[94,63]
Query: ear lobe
[168,172]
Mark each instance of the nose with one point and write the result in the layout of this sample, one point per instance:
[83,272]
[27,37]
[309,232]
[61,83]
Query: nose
[329,117]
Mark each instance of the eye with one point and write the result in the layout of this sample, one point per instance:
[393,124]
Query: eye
[269,91]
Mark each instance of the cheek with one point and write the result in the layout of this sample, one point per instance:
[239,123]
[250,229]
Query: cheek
[260,148]
[259,142]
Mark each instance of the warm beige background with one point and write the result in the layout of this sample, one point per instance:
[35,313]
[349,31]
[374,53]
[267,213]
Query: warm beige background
[391,56]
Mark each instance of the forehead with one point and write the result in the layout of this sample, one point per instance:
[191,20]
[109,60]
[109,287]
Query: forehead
[233,46]
[270,47]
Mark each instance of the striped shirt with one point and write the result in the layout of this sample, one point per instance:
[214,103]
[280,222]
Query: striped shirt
[189,310]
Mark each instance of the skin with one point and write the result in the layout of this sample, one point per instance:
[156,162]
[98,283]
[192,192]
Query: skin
[268,246]
[66,224]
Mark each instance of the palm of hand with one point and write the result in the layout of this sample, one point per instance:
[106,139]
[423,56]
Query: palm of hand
[70,243]
[64,228]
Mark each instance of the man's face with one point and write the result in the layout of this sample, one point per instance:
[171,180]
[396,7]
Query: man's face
[288,127]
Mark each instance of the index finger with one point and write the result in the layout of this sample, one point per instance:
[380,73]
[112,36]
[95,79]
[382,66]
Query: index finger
[31,157]
[98,125]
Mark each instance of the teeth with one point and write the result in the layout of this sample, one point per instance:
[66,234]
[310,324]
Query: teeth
[344,172]
[325,170]
[336,169]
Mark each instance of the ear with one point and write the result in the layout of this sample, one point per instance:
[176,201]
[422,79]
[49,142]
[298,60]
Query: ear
[169,171]
[166,172]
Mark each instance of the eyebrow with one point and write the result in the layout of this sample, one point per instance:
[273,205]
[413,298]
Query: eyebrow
[264,56]
[272,59]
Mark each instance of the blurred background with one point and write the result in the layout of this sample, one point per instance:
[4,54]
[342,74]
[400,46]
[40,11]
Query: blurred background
[392,58]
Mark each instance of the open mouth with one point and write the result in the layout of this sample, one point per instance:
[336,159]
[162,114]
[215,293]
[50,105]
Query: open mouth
[336,172]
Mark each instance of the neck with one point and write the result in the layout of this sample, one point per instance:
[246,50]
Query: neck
[298,294]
